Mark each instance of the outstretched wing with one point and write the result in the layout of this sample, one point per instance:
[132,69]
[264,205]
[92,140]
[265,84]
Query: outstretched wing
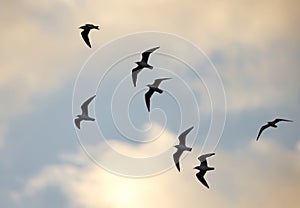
[158,81]
[84,106]
[85,36]
[201,178]
[281,119]
[147,98]
[77,122]
[202,158]
[261,130]
[134,74]
[176,157]
[182,136]
[146,54]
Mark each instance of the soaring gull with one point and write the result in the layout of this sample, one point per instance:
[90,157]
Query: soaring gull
[203,168]
[142,64]
[84,113]
[85,33]
[181,147]
[152,89]
[271,124]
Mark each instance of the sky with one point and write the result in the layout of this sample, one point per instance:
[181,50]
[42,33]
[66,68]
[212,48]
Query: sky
[233,64]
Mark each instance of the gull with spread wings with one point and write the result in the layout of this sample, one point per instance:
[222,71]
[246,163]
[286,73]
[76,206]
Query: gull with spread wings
[271,124]
[203,168]
[181,147]
[142,64]
[84,113]
[152,89]
[85,33]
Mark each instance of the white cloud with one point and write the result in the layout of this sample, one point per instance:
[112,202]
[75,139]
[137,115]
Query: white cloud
[258,171]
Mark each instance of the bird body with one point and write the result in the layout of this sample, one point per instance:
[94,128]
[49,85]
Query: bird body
[181,147]
[152,89]
[84,116]
[86,29]
[203,168]
[271,124]
[142,64]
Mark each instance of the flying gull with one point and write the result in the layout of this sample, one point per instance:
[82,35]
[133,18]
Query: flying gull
[181,147]
[142,64]
[271,124]
[203,168]
[84,113]
[85,33]
[152,89]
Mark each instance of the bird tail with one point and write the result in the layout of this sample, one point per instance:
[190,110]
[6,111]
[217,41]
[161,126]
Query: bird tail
[210,168]
[97,27]
[150,67]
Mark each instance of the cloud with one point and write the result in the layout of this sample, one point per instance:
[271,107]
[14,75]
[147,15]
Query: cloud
[250,80]
[257,171]
[31,71]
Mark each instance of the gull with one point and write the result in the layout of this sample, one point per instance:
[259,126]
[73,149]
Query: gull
[142,64]
[84,113]
[181,147]
[203,168]
[152,89]
[85,33]
[271,124]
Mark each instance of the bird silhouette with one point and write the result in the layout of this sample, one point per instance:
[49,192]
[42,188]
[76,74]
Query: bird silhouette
[181,147]
[271,124]
[85,33]
[203,168]
[142,64]
[152,89]
[84,113]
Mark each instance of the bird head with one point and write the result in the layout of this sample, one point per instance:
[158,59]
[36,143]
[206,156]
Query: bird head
[148,85]
[96,27]
[81,27]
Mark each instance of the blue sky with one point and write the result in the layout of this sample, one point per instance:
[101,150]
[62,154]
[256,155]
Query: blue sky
[255,48]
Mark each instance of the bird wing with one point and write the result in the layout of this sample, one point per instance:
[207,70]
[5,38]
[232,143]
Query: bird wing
[182,136]
[134,74]
[202,158]
[201,178]
[157,82]
[176,157]
[84,106]
[77,122]
[281,119]
[147,98]
[85,36]
[146,54]
[261,130]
